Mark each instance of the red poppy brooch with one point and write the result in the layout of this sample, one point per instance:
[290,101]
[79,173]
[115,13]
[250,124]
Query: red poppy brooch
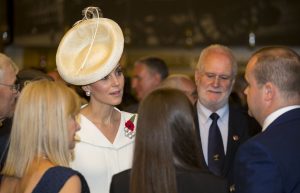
[130,127]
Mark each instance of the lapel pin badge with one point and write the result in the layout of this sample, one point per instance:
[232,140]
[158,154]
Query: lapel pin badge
[235,138]
[216,157]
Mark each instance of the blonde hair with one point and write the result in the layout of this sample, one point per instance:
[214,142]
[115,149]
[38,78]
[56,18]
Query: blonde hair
[40,126]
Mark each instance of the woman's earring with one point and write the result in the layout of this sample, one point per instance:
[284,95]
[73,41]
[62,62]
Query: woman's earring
[88,93]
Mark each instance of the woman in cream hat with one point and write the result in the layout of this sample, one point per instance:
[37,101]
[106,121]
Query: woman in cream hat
[88,55]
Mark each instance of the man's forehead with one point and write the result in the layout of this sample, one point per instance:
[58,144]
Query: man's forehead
[142,70]
[251,63]
[8,73]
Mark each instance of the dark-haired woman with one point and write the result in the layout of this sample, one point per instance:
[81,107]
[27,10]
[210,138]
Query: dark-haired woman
[166,158]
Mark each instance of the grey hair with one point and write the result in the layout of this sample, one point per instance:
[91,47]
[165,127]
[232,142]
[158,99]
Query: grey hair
[217,48]
[7,61]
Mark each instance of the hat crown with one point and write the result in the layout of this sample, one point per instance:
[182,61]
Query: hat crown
[89,51]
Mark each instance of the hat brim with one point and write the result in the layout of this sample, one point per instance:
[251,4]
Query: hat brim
[89,51]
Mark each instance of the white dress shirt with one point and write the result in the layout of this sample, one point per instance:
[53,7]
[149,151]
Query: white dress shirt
[205,122]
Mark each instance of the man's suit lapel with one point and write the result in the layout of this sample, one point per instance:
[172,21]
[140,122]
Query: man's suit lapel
[197,127]
[235,132]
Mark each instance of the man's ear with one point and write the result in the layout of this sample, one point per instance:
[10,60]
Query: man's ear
[269,91]
[157,78]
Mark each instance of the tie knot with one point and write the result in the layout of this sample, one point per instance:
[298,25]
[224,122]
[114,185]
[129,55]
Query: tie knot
[214,116]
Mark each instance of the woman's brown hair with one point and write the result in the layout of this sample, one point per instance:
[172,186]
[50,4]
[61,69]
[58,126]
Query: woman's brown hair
[165,139]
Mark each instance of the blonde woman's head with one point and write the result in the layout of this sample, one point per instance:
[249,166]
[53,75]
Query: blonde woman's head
[43,116]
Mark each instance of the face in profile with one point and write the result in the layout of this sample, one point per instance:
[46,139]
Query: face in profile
[253,92]
[8,93]
[108,90]
[143,81]
[214,81]
[73,127]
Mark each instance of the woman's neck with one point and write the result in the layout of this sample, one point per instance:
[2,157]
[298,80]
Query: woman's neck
[103,113]
[105,117]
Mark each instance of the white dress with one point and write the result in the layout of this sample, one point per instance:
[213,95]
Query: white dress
[97,158]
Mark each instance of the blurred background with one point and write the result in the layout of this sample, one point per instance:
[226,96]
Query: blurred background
[174,30]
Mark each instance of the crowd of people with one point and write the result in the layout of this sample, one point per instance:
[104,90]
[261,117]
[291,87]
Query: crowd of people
[183,135]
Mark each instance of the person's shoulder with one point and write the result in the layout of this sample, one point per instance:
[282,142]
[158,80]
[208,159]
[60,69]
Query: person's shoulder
[120,182]
[61,179]
[195,181]
[129,116]
[238,110]
[61,170]
[75,181]
[253,144]
[73,184]
[198,174]
[122,175]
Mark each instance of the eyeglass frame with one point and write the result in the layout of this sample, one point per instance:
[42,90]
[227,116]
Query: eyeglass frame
[14,87]
[213,76]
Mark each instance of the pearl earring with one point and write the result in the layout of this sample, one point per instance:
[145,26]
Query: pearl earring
[88,93]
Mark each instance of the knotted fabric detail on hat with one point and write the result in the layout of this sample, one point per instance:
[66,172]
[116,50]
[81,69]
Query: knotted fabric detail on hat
[90,13]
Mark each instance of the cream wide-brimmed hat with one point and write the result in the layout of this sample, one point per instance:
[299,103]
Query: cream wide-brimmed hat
[90,50]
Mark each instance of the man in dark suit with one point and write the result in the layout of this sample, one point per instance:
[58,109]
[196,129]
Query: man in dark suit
[8,94]
[214,76]
[270,161]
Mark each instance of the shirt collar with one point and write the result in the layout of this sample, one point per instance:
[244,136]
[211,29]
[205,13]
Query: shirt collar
[205,112]
[276,114]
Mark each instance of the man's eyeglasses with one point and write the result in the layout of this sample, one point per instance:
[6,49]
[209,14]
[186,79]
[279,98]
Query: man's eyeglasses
[14,87]
[212,76]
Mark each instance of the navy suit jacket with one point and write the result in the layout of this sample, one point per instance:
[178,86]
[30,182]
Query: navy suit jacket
[187,182]
[270,162]
[241,127]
